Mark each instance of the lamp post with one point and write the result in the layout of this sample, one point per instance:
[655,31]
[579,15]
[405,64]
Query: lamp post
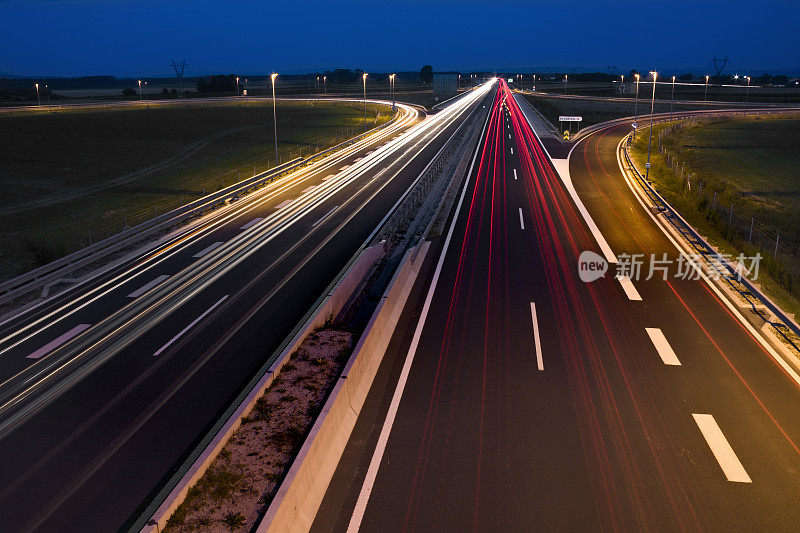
[274,116]
[650,139]
[672,101]
[37,95]
[622,84]
[705,93]
[237,86]
[636,105]
[140,90]
[325,84]
[364,78]
[47,92]
[746,95]
[391,88]
[565,83]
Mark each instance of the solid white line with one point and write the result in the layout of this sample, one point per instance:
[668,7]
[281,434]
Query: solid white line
[324,216]
[665,351]
[283,204]
[515,173]
[521,221]
[630,290]
[208,249]
[730,464]
[537,343]
[187,328]
[52,345]
[252,223]
[383,438]
[138,292]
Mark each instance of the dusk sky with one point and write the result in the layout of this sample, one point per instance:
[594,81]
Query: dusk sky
[139,37]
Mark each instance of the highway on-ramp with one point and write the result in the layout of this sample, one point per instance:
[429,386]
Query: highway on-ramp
[516,396]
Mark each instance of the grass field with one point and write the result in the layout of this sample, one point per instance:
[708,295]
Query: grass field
[752,164]
[67,173]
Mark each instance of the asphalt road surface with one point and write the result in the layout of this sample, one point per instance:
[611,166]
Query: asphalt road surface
[105,389]
[517,397]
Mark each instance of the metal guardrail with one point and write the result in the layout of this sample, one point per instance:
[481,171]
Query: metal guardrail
[60,268]
[735,280]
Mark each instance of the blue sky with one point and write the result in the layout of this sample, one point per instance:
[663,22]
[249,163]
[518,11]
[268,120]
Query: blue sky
[138,37]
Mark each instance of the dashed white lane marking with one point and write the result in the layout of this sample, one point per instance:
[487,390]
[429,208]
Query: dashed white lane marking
[326,215]
[308,189]
[326,178]
[515,173]
[509,135]
[512,151]
[283,204]
[187,328]
[536,342]
[665,351]
[52,345]
[209,248]
[521,220]
[345,167]
[356,160]
[252,223]
[730,464]
[630,290]
[141,290]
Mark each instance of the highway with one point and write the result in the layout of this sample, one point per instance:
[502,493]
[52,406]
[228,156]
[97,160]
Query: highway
[515,396]
[105,388]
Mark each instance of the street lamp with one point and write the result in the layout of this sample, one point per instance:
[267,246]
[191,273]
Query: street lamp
[237,86]
[636,105]
[274,116]
[37,95]
[47,92]
[705,94]
[391,88]
[565,83]
[672,102]
[140,90]
[746,95]
[650,139]
[364,78]
[325,84]
[622,84]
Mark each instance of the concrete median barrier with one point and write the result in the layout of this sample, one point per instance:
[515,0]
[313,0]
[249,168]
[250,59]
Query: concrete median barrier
[300,494]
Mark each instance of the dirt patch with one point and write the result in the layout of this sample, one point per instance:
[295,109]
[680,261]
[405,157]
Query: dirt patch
[243,479]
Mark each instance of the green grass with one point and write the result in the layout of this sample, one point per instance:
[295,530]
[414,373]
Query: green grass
[67,173]
[752,163]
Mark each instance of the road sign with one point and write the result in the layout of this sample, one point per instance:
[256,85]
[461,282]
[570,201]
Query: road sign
[570,119]
[566,135]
